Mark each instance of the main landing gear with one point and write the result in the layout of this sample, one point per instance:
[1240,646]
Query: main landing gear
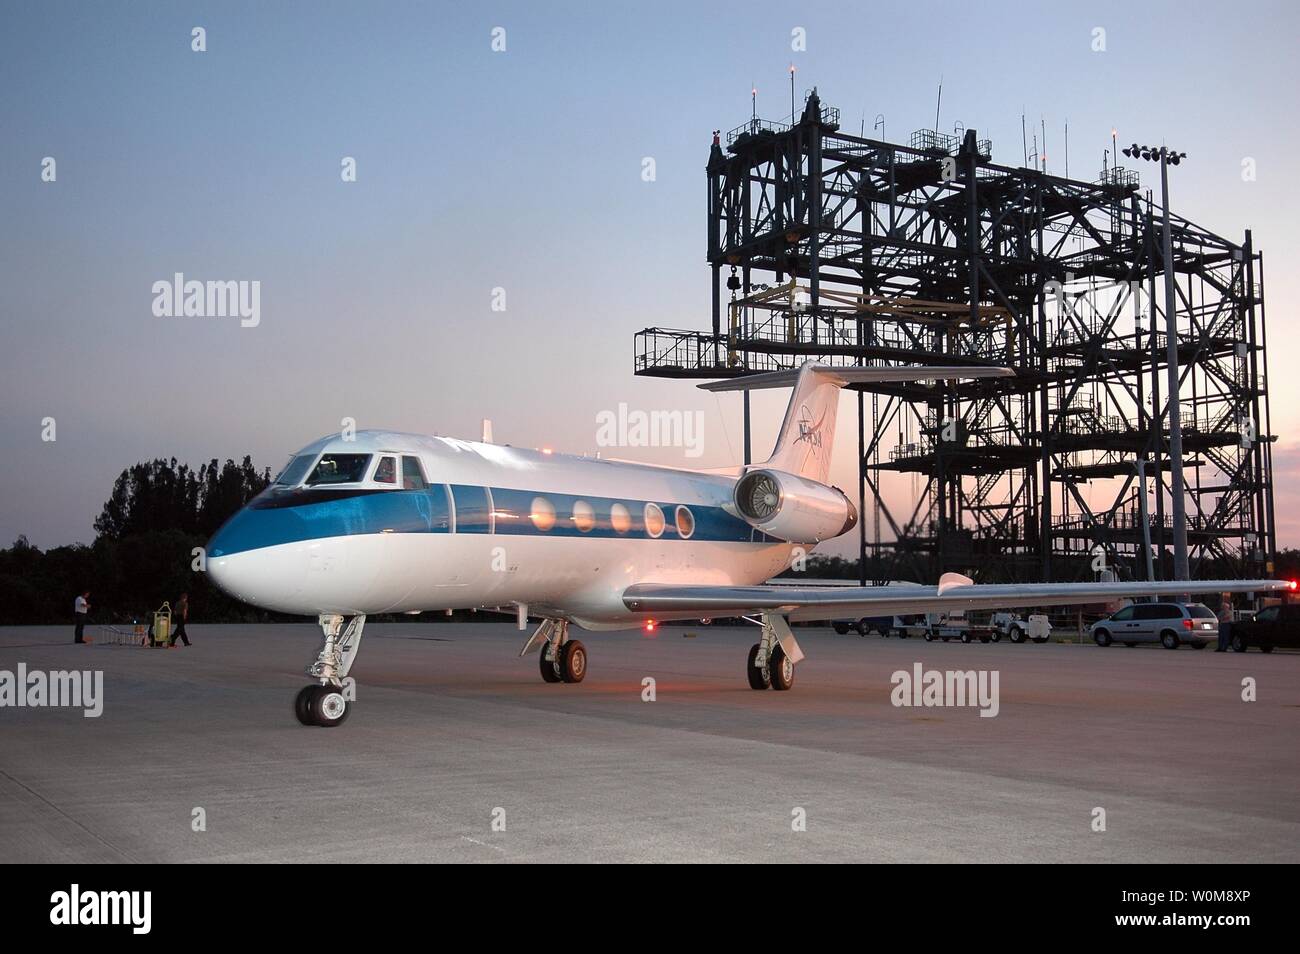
[562,659]
[772,658]
[325,703]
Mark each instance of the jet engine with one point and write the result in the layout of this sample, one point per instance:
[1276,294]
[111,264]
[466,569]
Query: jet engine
[793,508]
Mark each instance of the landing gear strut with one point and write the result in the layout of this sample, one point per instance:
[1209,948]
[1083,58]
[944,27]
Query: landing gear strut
[324,703]
[562,659]
[771,659]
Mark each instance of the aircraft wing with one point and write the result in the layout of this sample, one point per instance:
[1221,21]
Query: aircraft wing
[954,592]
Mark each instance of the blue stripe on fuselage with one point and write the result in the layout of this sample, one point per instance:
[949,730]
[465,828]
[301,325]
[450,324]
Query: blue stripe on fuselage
[430,511]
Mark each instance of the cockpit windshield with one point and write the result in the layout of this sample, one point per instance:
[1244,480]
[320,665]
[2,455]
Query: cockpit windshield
[340,469]
[295,470]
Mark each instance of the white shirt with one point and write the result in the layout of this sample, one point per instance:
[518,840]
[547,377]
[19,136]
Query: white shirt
[81,605]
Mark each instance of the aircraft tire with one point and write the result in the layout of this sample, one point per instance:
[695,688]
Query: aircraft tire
[755,674]
[328,707]
[781,669]
[547,668]
[573,661]
[302,704]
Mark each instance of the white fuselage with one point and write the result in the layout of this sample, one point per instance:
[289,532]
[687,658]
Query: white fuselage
[495,526]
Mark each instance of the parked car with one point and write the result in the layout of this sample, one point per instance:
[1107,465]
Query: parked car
[1271,626]
[1170,624]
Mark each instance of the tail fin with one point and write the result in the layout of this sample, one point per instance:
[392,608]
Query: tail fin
[804,445]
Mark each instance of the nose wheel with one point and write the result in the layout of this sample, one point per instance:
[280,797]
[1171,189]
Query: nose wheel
[324,706]
[323,703]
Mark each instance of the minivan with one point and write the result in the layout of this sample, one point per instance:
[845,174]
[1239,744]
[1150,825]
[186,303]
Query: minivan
[1170,624]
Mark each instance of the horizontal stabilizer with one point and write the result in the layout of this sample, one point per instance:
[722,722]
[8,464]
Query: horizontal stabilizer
[855,375]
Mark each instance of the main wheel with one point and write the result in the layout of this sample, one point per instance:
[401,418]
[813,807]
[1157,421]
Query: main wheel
[547,666]
[781,669]
[965,637]
[758,675]
[573,661]
[302,704]
[1017,634]
[986,639]
[1101,638]
[996,636]
[929,636]
[1169,639]
[328,707]
[1238,644]
[841,629]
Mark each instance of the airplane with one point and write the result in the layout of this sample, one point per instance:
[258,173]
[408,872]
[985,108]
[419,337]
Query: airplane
[385,522]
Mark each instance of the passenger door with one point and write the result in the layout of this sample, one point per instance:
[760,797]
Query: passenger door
[1121,624]
[1147,621]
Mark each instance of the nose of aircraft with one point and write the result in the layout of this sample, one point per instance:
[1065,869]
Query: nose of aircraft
[234,555]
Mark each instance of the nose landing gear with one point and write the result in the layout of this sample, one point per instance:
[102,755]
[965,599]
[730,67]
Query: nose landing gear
[325,703]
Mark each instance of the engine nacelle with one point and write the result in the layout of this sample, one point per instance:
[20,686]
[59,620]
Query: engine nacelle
[793,508]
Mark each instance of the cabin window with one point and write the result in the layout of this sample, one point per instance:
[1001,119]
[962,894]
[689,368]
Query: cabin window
[620,518]
[295,470]
[654,520]
[584,516]
[386,472]
[542,513]
[685,523]
[340,469]
[413,474]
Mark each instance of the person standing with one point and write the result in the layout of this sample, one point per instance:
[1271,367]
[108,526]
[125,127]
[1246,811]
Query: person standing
[1225,623]
[180,614]
[81,611]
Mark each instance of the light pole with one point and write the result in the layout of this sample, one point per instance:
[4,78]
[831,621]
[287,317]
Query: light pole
[1166,157]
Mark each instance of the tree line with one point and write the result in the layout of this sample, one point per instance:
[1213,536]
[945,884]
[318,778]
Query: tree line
[145,535]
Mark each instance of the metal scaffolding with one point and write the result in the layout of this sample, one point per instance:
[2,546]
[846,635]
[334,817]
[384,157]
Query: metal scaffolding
[855,251]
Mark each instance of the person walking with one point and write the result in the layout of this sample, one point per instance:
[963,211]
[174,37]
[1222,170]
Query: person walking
[1225,623]
[180,614]
[81,611]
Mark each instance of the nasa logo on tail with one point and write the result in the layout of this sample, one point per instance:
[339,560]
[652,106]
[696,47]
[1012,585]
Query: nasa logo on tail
[810,431]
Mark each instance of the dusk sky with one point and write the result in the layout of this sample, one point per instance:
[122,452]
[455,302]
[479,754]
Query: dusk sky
[519,170]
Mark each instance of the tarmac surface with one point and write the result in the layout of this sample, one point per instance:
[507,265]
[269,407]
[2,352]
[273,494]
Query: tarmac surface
[451,730]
